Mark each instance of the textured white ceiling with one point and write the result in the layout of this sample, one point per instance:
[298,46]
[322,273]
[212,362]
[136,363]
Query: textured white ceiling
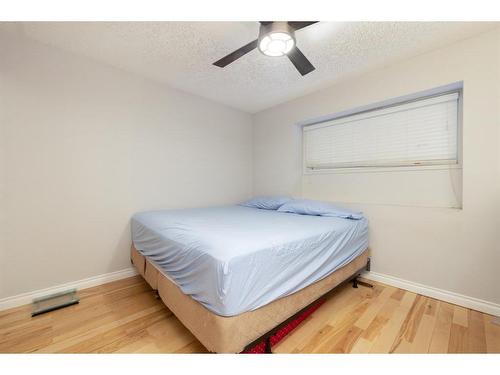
[181,54]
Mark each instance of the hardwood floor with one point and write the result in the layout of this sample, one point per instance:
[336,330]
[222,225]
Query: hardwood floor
[125,317]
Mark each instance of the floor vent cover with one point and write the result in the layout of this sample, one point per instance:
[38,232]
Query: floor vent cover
[54,301]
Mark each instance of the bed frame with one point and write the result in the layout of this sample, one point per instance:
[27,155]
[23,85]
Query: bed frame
[242,332]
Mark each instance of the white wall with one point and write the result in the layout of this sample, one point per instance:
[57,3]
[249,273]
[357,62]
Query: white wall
[83,146]
[450,249]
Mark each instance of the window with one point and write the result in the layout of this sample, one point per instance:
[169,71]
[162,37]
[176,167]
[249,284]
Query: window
[414,133]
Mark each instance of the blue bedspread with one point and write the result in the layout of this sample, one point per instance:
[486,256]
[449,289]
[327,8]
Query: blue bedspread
[234,259]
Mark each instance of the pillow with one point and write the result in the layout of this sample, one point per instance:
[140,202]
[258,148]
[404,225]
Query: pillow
[266,203]
[317,208]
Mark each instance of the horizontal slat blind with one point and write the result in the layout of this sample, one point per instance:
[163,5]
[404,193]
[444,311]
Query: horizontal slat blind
[422,132]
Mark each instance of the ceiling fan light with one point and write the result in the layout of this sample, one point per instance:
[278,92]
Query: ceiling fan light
[276,44]
[264,43]
[289,45]
[276,38]
[281,36]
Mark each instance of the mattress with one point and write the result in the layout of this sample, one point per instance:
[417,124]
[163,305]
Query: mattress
[234,259]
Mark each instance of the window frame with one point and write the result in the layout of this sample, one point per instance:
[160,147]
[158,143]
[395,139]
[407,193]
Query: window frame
[456,87]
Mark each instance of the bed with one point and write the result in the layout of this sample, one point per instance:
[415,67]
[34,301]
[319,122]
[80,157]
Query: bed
[232,273]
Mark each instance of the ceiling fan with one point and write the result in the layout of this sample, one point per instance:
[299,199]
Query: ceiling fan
[275,39]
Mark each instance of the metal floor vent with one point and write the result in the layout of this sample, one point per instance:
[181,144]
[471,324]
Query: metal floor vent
[55,301]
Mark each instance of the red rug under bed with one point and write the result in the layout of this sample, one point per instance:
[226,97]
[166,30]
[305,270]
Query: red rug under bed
[260,348]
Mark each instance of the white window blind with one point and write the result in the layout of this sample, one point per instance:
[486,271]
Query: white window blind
[421,132]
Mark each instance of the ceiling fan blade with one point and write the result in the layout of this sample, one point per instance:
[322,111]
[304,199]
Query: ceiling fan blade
[297,25]
[226,60]
[301,62]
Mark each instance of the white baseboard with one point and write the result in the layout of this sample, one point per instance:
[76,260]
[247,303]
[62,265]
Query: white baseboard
[451,297]
[443,295]
[26,298]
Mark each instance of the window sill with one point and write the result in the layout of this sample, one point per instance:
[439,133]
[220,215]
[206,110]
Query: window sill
[383,169]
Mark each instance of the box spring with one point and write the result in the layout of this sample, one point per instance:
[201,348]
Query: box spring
[232,334]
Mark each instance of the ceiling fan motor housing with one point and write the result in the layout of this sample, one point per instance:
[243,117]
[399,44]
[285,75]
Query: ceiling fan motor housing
[268,28]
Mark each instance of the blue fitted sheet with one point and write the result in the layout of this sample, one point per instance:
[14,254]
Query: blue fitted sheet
[234,259]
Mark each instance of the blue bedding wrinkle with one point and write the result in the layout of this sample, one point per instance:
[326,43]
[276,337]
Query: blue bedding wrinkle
[266,202]
[318,208]
[234,259]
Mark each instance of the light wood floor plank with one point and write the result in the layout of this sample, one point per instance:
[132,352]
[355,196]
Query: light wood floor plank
[492,333]
[389,333]
[423,336]
[345,341]
[361,346]
[412,321]
[404,347]
[371,312]
[441,334]
[398,294]
[342,331]
[458,339]
[125,317]
[382,318]
[460,316]
[431,307]
[477,337]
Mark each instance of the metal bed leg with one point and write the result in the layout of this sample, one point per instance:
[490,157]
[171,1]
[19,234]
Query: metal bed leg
[356,282]
[365,284]
[268,349]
